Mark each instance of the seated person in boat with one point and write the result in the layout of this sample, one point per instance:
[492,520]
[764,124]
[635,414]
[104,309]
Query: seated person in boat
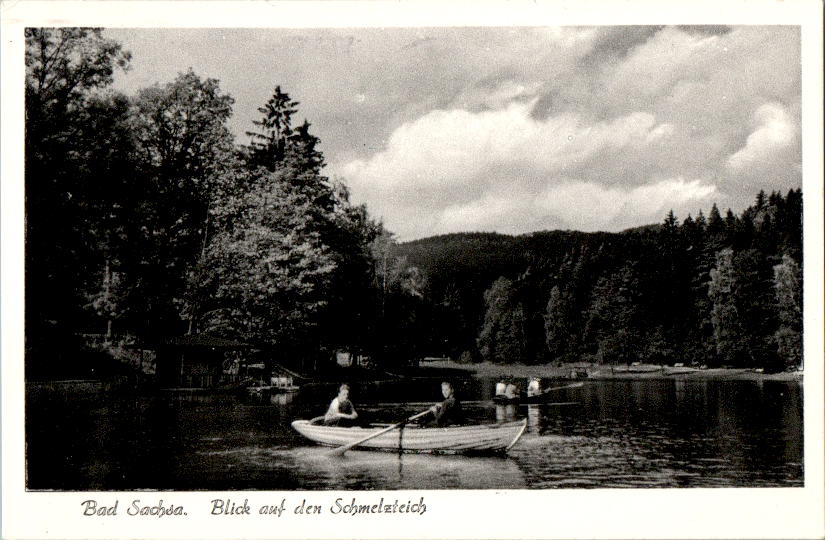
[507,390]
[512,391]
[447,412]
[341,412]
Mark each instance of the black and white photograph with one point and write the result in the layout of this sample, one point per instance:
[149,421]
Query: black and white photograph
[350,273]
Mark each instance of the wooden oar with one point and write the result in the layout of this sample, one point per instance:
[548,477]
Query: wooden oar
[382,406]
[552,404]
[341,449]
[574,385]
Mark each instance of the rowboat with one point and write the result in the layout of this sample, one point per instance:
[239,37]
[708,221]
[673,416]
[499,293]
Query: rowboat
[541,397]
[538,399]
[475,439]
[503,399]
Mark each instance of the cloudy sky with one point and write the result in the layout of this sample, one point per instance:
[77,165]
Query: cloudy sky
[514,130]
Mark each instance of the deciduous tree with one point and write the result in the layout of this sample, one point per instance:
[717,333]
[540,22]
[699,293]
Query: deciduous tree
[503,337]
[69,176]
[787,282]
[186,151]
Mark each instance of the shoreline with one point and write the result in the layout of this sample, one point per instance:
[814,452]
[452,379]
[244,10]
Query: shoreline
[607,372]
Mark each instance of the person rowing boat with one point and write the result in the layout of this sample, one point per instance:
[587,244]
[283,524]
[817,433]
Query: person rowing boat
[448,412]
[341,411]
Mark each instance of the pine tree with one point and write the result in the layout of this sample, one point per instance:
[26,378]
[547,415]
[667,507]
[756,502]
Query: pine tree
[760,199]
[669,240]
[730,223]
[715,223]
[727,329]
[302,150]
[701,221]
[743,236]
[269,144]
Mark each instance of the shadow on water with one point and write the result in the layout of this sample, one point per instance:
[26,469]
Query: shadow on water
[651,433]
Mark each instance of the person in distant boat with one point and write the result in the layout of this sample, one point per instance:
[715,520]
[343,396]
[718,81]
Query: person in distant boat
[511,392]
[341,412]
[534,387]
[448,411]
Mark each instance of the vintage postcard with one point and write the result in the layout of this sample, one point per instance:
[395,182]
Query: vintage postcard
[412,270]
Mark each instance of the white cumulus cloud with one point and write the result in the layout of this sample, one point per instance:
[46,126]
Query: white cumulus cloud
[458,164]
[506,171]
[774,132]
[610,129]
[588,206]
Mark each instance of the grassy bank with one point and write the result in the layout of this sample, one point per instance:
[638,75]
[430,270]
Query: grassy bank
[596,371]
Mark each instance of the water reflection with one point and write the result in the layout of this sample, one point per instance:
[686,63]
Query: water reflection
[284,398]
[534,418]
[506,413]
[382,470]
[653,433]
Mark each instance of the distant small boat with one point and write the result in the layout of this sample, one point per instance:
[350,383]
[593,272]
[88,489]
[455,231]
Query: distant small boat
[542,397]
[538,399]
[475,439]
[503,399]
[678,370]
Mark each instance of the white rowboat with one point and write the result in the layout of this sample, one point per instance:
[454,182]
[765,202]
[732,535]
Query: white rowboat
[477,439]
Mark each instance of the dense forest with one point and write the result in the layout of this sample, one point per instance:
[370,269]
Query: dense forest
[710,290]
[145,220]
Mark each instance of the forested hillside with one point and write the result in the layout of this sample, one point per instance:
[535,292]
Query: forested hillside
[715,290]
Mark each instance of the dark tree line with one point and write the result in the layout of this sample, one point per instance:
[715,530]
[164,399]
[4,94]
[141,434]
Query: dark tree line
[145,220]
[710,290]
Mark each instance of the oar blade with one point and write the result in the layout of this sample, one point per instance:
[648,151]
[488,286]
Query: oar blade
[565,387]
[339,451]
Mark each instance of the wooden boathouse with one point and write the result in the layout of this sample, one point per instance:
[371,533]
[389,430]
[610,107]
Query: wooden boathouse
[198,361]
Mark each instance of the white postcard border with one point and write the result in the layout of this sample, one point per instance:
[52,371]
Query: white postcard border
[624,513]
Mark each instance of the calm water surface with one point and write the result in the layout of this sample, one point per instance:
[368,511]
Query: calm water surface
[648,433]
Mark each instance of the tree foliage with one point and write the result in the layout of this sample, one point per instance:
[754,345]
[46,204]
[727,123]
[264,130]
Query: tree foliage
[77,150]
[185,149]
[612,324]
[63,67]
[289,263]
[503,336]
[787,282]
[268,272]
[167,227]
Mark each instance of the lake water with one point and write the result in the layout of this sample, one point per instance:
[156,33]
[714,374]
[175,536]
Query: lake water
[620,433]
